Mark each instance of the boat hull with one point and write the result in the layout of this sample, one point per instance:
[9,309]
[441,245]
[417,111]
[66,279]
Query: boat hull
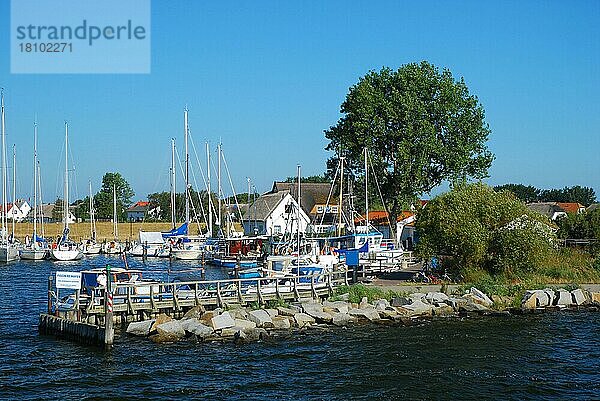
[8,253]
[66,255]
[187,254]
[93,249]
[33,254]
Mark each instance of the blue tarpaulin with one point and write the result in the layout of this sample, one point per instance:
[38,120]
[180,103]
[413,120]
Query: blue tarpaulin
[182,230]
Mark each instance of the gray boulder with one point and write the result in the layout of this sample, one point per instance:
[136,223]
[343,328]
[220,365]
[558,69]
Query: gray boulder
[140,328]
[239,313]
[168,332]
[222,321]
[342,319]
[196,311]
[261,318]
[281,323]
[244,324]
[303,320]
[381,304]
[401,301]
[287,311]
[436,297]
[272,312]
[578,297]
[367,313]
[196,327]
[336,306]
[416,308]
[562,298]
[480,298]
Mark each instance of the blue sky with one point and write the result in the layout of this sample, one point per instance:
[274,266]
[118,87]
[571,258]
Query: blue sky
[268,77]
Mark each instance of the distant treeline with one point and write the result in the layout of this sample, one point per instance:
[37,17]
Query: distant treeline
[528,193]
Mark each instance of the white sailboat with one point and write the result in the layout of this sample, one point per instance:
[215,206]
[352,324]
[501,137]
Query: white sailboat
[90,246]
[187,248]
[8,249]
[36,248]
[66,249]
[114,246]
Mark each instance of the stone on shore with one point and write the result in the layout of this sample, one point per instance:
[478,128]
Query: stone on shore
[168,332]
[595,297]
[365,313]
[364,302]
[239,314]
[401,301]
[222,321]
[563,298]
[578,297]
[303,320]
[381,304]
[196,312]
[436,297]
[244,324]
[162,318]
[196,327]
[443,310]
[208,315]
[336,306]
[261,318]
[281,323]
[283,311]
[416,308]
[480,298]
[272,312]
[140,328]
[342,319]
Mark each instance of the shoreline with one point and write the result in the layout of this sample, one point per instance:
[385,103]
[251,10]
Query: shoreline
[242,325]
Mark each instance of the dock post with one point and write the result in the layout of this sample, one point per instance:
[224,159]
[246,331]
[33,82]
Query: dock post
[109,330]
[145,250]
[202,273]
[50,294]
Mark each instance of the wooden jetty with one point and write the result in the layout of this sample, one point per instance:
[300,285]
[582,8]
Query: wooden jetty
[90,317]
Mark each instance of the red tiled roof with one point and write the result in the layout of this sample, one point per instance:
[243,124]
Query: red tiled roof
[381,217]
[570,207]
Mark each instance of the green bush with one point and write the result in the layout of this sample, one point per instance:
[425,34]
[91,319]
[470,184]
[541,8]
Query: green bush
[480,228]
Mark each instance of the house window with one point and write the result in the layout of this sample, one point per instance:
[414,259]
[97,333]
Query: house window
[276,229]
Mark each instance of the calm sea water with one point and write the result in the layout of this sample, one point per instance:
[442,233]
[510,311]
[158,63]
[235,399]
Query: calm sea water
[538,357]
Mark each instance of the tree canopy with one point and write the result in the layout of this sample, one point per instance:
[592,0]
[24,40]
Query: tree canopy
[421,127]
[103,200]
[584,195]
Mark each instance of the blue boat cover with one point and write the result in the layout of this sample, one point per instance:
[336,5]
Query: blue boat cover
[181,230]
[40,239]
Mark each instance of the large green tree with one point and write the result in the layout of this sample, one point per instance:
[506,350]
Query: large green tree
[103,200]
[421,127]
[584,195]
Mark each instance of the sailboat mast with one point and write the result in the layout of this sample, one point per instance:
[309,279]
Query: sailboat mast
[366,192]
[66,197]
[248,202]
[219,179]
[115,227]
[298,216]
[173,183]
[92,221]
[4,212]
[14,196]
[187,167]
[210,213]
[34,182]
[39,183]
[341,195]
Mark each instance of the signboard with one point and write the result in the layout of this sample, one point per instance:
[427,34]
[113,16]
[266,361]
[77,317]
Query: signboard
[69,280]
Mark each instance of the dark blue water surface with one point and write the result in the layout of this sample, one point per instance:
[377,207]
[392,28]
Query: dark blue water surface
[537,357]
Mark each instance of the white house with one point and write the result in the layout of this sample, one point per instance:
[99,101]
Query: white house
[274,214]
[19,211]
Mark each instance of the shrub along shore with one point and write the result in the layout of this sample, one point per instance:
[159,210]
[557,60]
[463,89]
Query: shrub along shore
[376,306]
